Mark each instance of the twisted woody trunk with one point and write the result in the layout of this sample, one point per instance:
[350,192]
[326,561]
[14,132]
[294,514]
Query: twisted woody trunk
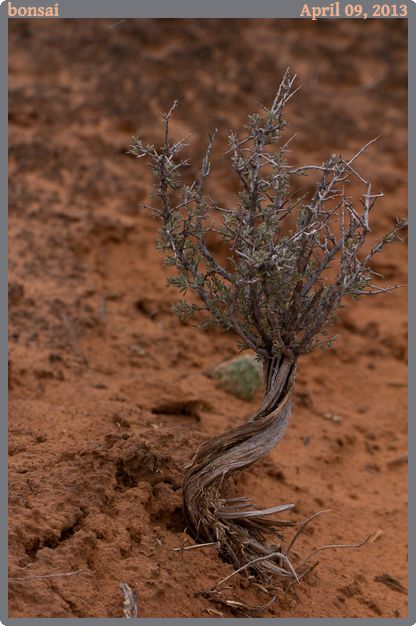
[210,516]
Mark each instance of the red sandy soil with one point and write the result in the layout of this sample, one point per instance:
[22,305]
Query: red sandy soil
[109,393]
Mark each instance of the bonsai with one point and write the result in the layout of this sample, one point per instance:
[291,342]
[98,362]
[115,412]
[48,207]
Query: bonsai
[281,297]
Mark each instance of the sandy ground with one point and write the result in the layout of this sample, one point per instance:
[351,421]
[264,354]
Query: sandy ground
[109,393]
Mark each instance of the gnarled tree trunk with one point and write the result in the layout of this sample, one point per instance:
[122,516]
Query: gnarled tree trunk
[210,516]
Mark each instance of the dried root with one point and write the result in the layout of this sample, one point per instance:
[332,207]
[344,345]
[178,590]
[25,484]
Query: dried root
[272,562]
[241,533]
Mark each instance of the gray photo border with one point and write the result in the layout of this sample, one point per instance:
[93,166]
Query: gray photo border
[184,9]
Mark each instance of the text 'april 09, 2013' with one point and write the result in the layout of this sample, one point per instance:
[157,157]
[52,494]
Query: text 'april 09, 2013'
[350,10]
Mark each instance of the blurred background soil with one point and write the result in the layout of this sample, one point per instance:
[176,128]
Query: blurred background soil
[109,394]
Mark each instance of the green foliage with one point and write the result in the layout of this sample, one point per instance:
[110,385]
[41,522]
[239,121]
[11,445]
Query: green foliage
[278,298]
[242,376]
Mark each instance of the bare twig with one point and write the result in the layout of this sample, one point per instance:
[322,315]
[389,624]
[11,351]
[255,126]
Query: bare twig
[239,605]
[102,310]
[225,512]
[301,528]
[213,611]
[376,535]
[70,326]
[130,601]
[212,544]
[398,460]
[80,571]
[261,558]
[393,383]
[308,571]
[358,545]
[117,24]
[391,582]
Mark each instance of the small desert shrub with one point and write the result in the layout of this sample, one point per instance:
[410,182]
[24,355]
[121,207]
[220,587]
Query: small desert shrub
[279,297]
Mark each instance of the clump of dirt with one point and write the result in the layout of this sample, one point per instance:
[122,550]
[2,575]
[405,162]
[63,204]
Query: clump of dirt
[110,394]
